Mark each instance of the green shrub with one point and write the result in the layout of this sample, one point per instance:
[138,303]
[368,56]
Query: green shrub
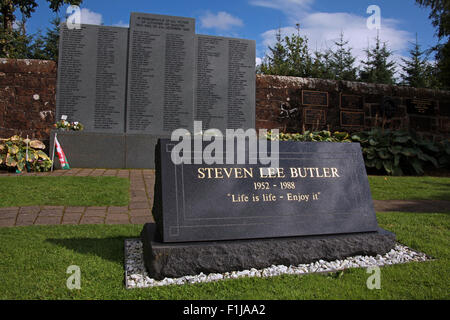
[307,136]
[389,152]
[396,152]
[14,152]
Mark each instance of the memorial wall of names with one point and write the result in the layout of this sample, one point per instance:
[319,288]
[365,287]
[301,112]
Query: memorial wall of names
[224,80]
[91,77]
[154,77]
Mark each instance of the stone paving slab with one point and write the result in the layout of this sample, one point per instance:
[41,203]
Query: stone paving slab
[137,212]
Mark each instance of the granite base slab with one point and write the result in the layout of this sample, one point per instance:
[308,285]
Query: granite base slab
[181,259]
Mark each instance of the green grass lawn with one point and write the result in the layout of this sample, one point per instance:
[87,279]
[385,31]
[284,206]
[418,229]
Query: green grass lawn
[113,191]
[34,261]
[63,191]
[409,188]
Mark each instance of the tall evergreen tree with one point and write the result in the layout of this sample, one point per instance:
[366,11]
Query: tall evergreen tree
[321,67]
[275,63]
[289,57]
[16,43]
[9,37]
[342,62]
[377,68]
[440,18]
[298,57]
[416,68]
[45,47]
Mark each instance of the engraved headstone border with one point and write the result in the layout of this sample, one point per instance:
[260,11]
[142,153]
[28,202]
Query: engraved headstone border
[182,218]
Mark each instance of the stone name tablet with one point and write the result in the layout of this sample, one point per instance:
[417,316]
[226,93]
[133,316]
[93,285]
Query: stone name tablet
[352,102]
[318,188]
[92,77]
[160,73]
[421,106]
[352,119]
[224,82]
[314,116]
[314,98]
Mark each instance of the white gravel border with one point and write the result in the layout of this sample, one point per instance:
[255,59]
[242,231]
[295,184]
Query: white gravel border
[136,275]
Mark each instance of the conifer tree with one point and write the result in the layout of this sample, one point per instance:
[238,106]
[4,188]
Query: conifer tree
[416,68]
[275,63]
[377,68]
[342,62]
[45,47]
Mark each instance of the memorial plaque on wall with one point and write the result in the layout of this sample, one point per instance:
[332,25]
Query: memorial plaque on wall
[444,108]
[224,95]
[422,123]
[444,125]
[352,119]
[160,73]
[421,106]
[91,77]
[317,188]
[352,102]
[314,116]
[314,98]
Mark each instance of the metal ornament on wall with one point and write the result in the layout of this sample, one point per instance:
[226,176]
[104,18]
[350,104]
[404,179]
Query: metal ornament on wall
[287,112]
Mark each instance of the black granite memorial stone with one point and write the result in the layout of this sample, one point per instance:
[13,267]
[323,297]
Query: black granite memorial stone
[318,188]
[315,204]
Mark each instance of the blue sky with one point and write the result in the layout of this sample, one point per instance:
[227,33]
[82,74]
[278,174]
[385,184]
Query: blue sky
[320,20]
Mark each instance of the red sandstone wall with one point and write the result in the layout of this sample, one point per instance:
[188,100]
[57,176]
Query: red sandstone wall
[27,103]
[272,92]
[27,97]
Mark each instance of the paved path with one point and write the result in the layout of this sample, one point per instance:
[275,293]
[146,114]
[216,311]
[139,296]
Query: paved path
[138,211]
[141,200]
[412,205]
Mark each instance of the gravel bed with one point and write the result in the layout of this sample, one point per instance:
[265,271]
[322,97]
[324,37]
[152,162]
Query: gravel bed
[136,276]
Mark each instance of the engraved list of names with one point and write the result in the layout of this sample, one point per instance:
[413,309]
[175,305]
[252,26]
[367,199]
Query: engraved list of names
[91,77]
[160,73]
[224,82]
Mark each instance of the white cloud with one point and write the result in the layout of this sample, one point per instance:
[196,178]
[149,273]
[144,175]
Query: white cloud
[221,21]
[122,24]
[294,9]
[323,28]
[90,17]
[283,5]
[258,61]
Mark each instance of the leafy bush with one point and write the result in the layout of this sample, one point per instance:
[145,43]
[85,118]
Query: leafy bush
[14,151]
[389,152]
[443,155]
[307,136]
[397,152]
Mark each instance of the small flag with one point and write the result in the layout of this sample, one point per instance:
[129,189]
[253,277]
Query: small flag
[61,155]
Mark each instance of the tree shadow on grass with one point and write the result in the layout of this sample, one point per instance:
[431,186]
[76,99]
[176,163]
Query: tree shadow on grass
[111,249]
[417,206]
[444,190]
